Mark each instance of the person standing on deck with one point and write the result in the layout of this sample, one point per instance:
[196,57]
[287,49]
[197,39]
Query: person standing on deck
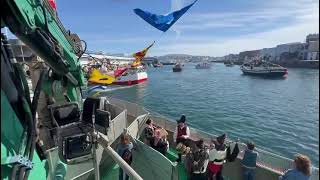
[181,133]
[249,161]
[148,132]
[158,142]
[217,156]
[301,170]
[124,149]
[197,161]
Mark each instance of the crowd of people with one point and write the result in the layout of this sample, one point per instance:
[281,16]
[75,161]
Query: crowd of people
[204,161]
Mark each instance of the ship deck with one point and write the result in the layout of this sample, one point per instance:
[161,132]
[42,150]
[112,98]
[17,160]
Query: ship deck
[112,172]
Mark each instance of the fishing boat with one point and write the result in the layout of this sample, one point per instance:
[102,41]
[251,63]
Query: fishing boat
[263,68]
[203,66]
[157,65]
[127,75]
[134,75]
[177,67]
[228,63]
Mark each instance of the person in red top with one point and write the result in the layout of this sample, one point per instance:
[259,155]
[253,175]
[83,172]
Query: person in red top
[181,133]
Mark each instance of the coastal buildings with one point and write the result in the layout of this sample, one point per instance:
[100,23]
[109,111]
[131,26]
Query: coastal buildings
[150,60]
[112,59]
[231,57]
[310,49]
[248,55]
[296,54]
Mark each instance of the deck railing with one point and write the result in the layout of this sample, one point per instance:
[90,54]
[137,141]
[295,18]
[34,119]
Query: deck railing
[267,160]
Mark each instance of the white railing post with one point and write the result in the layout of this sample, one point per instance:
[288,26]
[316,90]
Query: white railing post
[126,168]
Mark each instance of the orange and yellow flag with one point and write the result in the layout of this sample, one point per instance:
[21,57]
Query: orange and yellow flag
[139,55]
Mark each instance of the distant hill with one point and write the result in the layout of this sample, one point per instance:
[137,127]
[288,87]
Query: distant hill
[183,58]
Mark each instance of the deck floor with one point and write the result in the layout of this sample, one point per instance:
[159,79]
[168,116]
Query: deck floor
[112,173]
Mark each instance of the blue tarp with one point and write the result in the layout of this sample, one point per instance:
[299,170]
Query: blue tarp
[162,22]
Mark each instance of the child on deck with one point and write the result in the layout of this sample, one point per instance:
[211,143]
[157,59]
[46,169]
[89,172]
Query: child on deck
[124,149]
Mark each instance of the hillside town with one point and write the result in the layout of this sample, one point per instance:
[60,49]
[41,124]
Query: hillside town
[295,54]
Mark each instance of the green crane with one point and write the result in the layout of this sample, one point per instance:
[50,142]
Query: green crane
[36,23]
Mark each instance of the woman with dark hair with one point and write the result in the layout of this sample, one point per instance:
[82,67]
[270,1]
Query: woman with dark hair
[301,171]
[148,131]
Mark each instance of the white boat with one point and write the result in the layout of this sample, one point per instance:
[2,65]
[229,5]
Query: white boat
[134,75]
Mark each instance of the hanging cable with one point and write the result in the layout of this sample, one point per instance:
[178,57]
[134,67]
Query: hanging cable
[84,50]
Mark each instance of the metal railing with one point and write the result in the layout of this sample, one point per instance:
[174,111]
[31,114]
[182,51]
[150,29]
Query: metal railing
[267,160]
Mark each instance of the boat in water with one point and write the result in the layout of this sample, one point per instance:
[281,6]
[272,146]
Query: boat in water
[157,64]
[203,66]
[228,63]
[120,76]
[134,75]
[177,67]
[263,68]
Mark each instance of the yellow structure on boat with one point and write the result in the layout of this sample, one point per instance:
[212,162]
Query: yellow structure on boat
[97,78]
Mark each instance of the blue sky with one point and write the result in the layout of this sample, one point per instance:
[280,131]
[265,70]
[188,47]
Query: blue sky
[214,28]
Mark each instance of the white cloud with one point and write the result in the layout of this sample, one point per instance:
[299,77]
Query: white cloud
[303,16]
[176,5]
[291,12]
[272,38]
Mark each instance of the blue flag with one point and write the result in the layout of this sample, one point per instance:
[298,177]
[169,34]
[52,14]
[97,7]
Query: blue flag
[162,22]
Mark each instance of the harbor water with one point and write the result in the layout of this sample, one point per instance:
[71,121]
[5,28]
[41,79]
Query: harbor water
[279,115]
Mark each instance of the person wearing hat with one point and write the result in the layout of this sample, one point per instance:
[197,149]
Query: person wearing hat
[181,133]
[217,156]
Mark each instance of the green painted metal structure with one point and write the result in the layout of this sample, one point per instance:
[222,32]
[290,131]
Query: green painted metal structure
[36,23]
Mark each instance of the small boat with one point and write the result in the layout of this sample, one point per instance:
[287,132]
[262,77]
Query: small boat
[228,63]
[203,66]
[263,68]
[177,67]
[134,75]
[157,65]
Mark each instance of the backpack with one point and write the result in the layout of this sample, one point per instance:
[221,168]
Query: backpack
[127,156]
[232,156]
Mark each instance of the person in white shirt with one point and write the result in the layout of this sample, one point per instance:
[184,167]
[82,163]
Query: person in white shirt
[103,69]
[217,156]
[181,133]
